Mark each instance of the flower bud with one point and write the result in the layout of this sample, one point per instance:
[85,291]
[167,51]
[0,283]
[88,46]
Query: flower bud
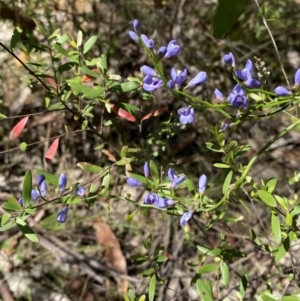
[62,182]
[133,182]
[40,179]
[146,170]
[202,184]
[62,214]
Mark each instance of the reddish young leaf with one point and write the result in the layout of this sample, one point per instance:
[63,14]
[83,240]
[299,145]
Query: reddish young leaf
[52,82]
[110,156]
[126,115]
[52,150]
[121,112]
[154,113]
[87,78]
[18,128]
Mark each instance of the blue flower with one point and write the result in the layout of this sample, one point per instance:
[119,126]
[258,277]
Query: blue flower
[162,51]
[62,214]
[224,127]
[133,35]
[136,25]
[164,202]
[229,59]
[151,83]
[199,79]
[172,49]
[178,77]
[282,91]
[175,180]
[148,42]
[62,182]
[133,182]
[146,170]
[148,71]
[219,94]
[151,198]
[202,183]
[185,218]
[80,191]
[40,179]
[246,76]
[20,201]
[238,97]
[186,115]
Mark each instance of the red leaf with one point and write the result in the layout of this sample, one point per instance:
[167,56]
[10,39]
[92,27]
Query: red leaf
[126,115]
[52,150]
[154,113]
[87,78]
[18,128]
[52,82]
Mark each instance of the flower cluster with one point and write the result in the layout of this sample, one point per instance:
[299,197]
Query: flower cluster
[41,190]
[161,201]
[153,81]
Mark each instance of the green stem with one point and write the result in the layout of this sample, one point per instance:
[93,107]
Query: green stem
[239,182]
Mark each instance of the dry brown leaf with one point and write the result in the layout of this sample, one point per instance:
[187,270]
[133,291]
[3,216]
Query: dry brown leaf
[114,257]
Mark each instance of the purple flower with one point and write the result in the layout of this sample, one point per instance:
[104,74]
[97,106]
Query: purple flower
[80,191]
[62,182]
[224,127]
[35,195]
[164,202]
[170,84]
[229,59]
[162,51]
[297,77]
[151,198]
[187,115]
[151,83]
[136,25]
[238,98]
[172,49]
[146,169]
[178,76]
[199,79]
[175,180]
[40,179]
[148,71]
[133,36]
[202,183]
[246,76]
[43,189]
[148,42]
[185,218]
[62,214]
[282,91]
[133,182]
[20,201]
[219,94]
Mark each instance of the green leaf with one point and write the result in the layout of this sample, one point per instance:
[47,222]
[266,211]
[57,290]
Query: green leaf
[154,170]
[103,63]
[205,290]
[90,72]
[89,44]
[227,182]
[71,200]
[27,231]
[23,146]
[227,13]
[105,183]
[2,115]
[243,285]
[16,37]
[88,167]
[80,88]
[66,67]
[49,178]
[5,218]
[208,268]
[61,50]
[206,251]
[284,248]
[27,188]
[221,165]
[214,147]
[143,298]
[290,298]
[276,229]
[224,272]
[267,198]
[94,93]
[131,295]
[129,86]
[271,184]
[152,288]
